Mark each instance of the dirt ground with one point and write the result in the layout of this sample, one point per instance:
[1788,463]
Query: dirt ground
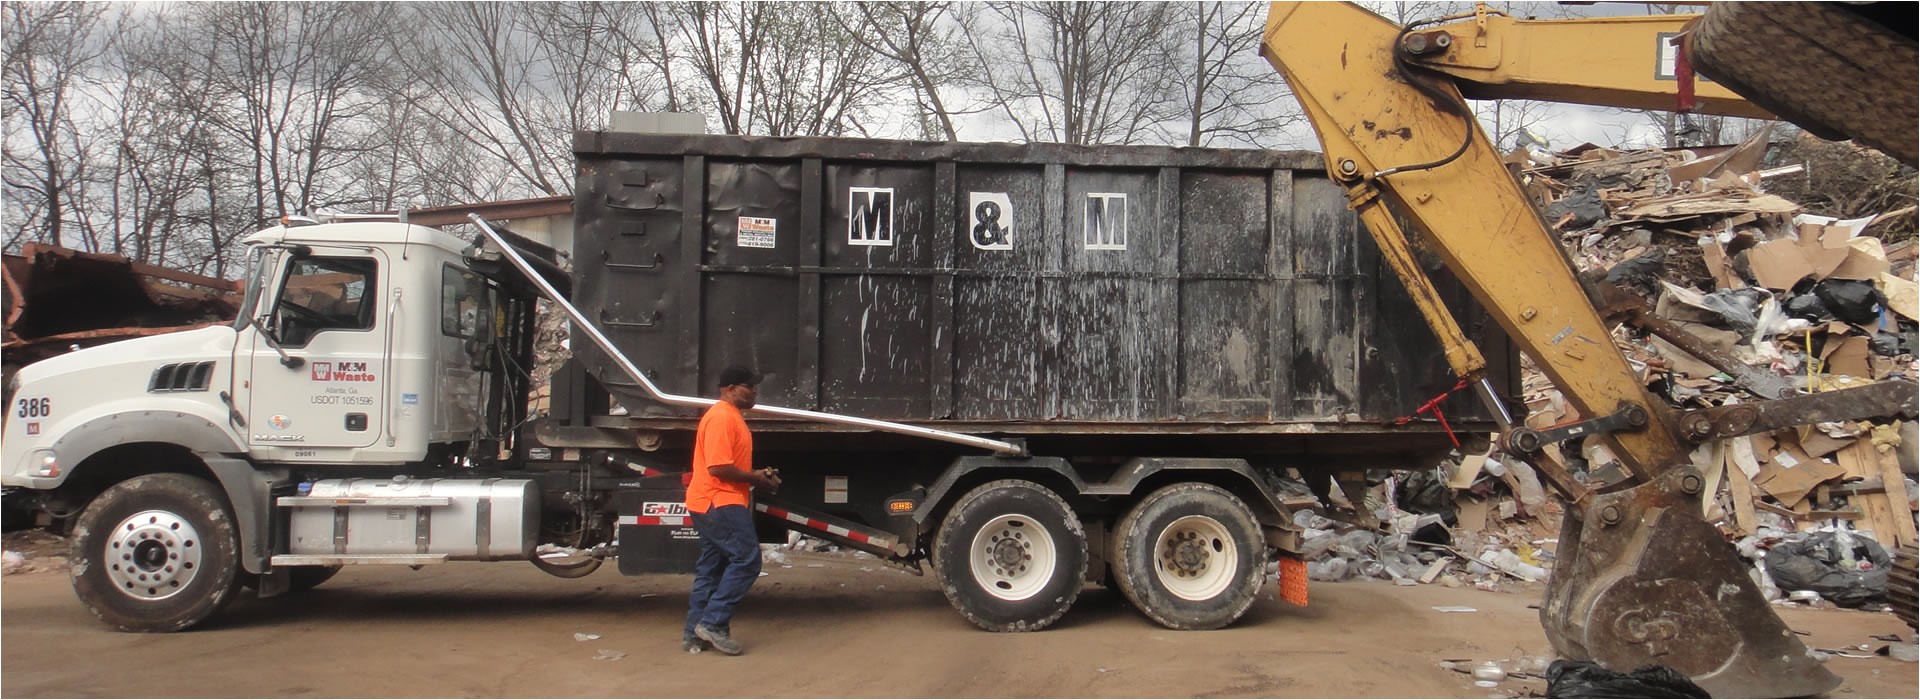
[831,625]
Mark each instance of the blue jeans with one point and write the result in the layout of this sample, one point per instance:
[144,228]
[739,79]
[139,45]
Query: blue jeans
[728,565]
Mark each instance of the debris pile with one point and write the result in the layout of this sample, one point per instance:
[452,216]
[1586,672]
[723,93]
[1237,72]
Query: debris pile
[1472,521]
[1782,302]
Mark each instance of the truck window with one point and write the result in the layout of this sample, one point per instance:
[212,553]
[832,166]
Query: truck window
[324,294]
[463,302]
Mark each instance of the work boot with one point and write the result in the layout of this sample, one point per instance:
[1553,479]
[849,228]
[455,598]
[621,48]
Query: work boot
[693,645]
[721,641]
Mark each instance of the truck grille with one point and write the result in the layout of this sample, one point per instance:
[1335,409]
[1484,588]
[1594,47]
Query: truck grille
[183,376]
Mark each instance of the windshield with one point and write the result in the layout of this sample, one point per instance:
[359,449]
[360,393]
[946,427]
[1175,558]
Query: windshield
[257,274]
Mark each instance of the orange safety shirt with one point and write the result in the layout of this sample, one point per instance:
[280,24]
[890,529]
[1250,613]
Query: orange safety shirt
[722,439]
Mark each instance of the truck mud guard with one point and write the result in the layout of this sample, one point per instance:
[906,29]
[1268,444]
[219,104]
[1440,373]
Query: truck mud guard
[581,322]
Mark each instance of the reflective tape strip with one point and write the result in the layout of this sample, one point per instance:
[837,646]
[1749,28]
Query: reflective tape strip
[652,520]
[822,526]
[644,471]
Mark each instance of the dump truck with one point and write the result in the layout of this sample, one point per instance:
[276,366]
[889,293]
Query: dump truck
[1641,577]
[1022,368]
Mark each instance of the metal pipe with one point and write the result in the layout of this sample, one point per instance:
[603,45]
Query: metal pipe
[1488,396]
[580,321]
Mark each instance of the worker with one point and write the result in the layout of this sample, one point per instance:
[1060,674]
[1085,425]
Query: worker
[720,500]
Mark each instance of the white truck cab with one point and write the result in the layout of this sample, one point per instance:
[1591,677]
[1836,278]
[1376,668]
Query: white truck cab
[353,345]
[357,373]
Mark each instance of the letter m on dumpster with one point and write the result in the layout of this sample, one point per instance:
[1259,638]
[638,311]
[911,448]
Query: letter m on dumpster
[870,216]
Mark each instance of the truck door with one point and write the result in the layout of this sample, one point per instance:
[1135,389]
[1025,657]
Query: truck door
[466,328]
[327,313]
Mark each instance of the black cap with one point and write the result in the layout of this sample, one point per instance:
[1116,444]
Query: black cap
[736,374]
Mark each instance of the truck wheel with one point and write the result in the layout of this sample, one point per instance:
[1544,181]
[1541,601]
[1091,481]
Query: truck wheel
[1190,556]
[156,553]
[1011,556]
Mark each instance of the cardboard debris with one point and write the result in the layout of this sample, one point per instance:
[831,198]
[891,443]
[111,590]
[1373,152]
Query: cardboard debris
[1903,295]
[1791,474]
[1782,264]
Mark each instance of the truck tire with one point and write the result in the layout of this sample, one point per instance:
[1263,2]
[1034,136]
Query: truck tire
[156,553]
[1817,65]
[1190,557]
[1011,556]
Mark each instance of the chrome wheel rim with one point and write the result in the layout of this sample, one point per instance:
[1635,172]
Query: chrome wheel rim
[153,555]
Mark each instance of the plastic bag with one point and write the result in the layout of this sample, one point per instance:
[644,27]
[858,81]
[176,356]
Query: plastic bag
[1847,569]
[1808,306]
[1739,309]
[1642,272]
[1530,492]
[1887,344]
[1585,679]
[1853,301]
[1584,205]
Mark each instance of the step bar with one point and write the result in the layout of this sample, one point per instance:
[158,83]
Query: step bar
[342,559]
[580,322]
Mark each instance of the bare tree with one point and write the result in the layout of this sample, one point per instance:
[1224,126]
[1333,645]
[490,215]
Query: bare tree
[517,79]
[47,153]
[1074,72]
[778,69]
[1228,92]
[923,38]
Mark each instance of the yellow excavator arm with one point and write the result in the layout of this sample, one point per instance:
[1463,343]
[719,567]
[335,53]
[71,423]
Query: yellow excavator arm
[1642,578]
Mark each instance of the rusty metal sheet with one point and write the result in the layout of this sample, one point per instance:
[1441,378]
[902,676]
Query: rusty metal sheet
[58,297]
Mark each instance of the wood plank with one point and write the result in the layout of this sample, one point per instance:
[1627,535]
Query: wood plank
[1711,459]
[1858,459]
[1895,495]
[1744,519]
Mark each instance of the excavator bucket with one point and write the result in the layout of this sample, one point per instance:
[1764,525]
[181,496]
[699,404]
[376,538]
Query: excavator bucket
[1642,579]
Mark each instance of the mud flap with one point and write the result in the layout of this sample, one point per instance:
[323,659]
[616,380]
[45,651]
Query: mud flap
[1643,579]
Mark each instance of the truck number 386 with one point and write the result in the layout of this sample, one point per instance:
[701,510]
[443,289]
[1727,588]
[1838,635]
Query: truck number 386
[36,408]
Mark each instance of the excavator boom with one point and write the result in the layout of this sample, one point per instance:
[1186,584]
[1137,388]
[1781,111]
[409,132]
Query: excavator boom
[1642,577]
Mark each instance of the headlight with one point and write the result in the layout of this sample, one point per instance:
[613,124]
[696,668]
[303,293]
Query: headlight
[47,463]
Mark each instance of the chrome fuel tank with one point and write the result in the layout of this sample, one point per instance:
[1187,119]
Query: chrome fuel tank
[465,519]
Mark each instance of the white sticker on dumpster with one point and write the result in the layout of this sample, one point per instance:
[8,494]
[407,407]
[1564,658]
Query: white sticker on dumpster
[755,232]
[836,491]
[991,223]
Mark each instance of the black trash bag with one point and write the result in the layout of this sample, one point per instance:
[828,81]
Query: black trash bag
[1887,344]
[1641,273]
[1808,306]
[1423,491]
[1853,301]
[1585,679]
[1739,309]
[1584,205]
[1811,562]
